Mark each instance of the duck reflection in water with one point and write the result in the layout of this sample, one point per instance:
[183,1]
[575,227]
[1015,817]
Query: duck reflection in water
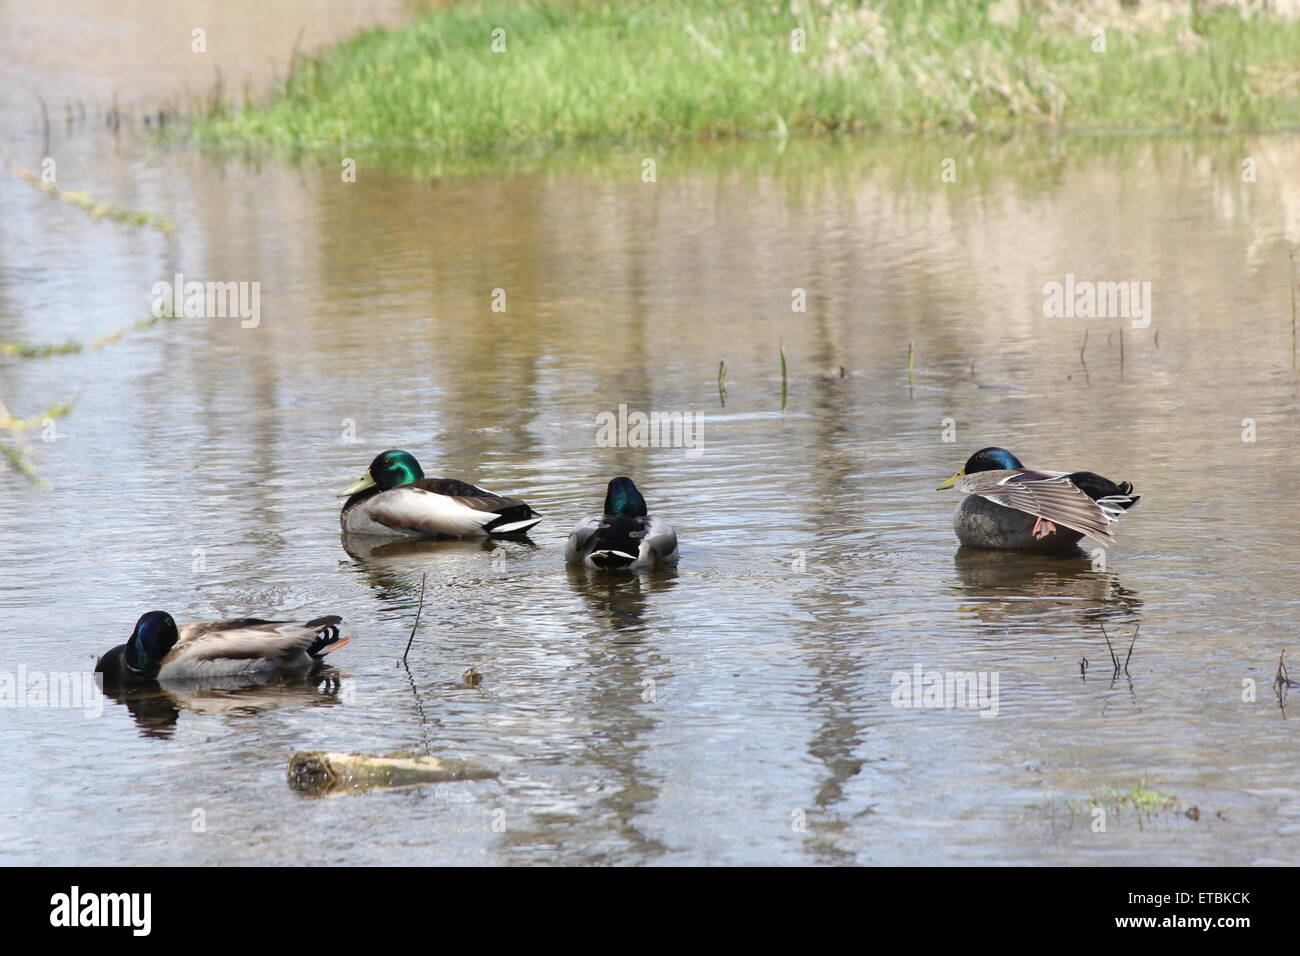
[1011,586]
[621,598]
[392,568]
[157,707]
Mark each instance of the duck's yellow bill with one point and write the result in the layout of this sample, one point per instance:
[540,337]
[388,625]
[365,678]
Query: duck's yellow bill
[952,481]
[360,485]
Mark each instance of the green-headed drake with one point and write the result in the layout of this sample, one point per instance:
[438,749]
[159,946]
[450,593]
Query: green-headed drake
[247,646]
[1013,508]
[624,536]
[394,498]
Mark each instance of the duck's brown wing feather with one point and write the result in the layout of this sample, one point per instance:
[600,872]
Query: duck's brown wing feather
[473,497]
[452,487]
[253,638]
[1044,495]
[191,631]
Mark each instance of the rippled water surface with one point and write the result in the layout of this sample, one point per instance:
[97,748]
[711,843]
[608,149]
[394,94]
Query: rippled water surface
[737,710]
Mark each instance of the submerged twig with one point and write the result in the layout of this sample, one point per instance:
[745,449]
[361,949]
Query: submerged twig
[293,57]
[1283,677]
[1282,683]
[45,126]
[1129,655]
[418,611]
[1291,256]
[722,383]
[784,387]
[419,707]
[1113,659]
[1116,667]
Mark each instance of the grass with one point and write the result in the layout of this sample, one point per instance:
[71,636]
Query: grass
[1143,802]
[580,73]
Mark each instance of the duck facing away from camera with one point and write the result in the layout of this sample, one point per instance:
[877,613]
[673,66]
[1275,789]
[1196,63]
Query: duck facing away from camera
[1009,507]
[393,498]
[157,650]
[624,536]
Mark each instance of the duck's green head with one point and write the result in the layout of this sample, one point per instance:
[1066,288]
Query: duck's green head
[986,459]
[623,500]
[154,635]
[390,469]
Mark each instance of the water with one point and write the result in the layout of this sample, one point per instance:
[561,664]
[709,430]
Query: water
[737,710]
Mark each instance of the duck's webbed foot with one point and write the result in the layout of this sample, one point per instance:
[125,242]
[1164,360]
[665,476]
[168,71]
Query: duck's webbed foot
[1042,528]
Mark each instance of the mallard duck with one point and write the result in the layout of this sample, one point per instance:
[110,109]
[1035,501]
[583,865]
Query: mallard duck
[1013,508]
[624,536]
[394,498]
[247,646]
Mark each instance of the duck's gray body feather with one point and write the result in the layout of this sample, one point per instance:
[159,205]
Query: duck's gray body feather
[981,523]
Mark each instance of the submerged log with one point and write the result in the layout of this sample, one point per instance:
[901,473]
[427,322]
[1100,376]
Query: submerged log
[319,773]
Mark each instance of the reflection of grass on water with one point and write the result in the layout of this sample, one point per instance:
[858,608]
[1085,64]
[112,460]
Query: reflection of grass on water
[74,347]
[15,451]
[97,210]
[565,74]
[14,447]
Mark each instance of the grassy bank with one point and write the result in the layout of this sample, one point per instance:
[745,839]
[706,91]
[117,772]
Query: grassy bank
[575,73]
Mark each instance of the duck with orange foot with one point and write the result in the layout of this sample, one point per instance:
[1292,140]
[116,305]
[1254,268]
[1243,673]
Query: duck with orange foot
[1009,507]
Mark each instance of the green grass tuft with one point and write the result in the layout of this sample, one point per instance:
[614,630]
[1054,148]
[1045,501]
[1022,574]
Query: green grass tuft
[584,73]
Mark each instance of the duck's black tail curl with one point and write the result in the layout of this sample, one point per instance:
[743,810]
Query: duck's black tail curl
[327,635]
[513,519]
[1113,498]
[1125,498]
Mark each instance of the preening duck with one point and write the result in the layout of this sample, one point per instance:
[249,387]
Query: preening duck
[394,498]
[1012,508]
[246,646]
[624,536]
